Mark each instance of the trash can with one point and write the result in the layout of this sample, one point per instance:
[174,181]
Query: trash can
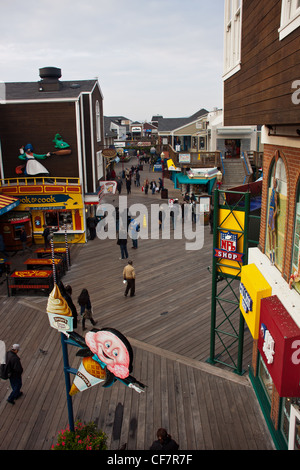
[164,193]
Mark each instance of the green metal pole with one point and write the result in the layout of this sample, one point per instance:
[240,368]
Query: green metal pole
[214,279]
[245,262]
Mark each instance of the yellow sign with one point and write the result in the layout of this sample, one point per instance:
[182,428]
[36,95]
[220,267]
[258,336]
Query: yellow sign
[230,241]
[253,288]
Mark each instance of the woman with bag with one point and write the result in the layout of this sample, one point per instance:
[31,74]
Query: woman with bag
[85,308]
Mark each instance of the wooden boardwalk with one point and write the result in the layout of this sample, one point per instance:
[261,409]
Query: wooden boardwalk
[204,407]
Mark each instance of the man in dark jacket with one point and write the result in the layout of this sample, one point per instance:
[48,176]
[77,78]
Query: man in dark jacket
[14,371]
[164,441]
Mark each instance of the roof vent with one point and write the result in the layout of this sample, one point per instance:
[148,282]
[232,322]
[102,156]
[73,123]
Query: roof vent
[49,79]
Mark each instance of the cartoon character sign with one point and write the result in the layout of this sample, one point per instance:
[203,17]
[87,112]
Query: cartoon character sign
[32,166]
[108,357]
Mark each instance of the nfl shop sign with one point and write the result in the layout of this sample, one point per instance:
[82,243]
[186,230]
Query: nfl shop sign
[279,346]
[228,247]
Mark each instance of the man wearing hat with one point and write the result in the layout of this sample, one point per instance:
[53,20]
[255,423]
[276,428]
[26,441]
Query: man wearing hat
[14,371]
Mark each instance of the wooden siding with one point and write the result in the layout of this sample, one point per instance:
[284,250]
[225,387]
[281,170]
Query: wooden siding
[261,92]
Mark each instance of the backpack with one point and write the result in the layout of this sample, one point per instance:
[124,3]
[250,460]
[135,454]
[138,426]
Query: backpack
[3,372]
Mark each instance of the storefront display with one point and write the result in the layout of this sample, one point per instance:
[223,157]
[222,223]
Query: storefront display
[58,205]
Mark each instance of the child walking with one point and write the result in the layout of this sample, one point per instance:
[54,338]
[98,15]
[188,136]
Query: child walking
[85,308]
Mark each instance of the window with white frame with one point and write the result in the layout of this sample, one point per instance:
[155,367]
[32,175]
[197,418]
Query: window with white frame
[290,17]
[233,37]
[98,122]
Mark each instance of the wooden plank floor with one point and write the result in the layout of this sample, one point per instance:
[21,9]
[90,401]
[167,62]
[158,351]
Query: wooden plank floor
[168,325]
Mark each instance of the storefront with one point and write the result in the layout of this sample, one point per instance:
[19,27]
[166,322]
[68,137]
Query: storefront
[58,205]
[271,312]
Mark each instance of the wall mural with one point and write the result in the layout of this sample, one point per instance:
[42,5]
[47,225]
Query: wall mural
[106,354]
[32,165]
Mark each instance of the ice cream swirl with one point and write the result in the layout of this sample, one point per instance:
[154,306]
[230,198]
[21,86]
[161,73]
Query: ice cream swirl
[57,305]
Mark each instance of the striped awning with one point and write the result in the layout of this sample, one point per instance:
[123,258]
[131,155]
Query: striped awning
[7,203]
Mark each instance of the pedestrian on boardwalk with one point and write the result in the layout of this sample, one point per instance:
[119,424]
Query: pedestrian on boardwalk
[146,186]
[219,178]
[128,185]
[164,441]
[14,371]
[122,242]
[129,277]
[119,185]
[46,236]
[23,239]
[137,178]
[134,228]
[85,308]
[66,292]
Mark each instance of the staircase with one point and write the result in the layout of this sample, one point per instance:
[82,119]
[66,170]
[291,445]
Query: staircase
[234,173]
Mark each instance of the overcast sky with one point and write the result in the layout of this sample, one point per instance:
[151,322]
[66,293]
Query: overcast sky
[150,57]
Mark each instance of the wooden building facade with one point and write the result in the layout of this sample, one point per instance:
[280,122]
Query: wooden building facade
[262,87]
[59,125]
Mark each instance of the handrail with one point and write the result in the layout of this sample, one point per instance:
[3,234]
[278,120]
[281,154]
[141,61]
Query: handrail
[36,180]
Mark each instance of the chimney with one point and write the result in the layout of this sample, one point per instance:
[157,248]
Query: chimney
[49,79]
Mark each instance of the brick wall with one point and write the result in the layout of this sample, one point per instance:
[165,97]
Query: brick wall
[291,158]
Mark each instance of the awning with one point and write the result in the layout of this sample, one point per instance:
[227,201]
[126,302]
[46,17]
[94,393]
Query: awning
[184,179]
[7,203]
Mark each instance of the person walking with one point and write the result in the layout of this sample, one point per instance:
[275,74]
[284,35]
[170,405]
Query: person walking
[23,239]
[134,228]
[14,371]
[164,441]
[46,234]
[85,308]
[122,242]
[146,186]
[129,277]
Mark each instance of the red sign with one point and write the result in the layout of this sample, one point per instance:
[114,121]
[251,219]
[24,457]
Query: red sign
[279,346]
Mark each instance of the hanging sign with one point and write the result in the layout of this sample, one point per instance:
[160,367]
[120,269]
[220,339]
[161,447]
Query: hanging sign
[253,288]
[230,241]
[279,346]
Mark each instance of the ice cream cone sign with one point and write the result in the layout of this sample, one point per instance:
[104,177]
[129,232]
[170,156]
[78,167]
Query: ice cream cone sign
[59,312]
[108,357]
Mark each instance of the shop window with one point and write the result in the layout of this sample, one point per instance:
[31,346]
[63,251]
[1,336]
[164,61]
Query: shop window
[232,41]
[265,379]
[290,17]
[296,246]
[276,212]
[98,122]
[287,407]
[57,219]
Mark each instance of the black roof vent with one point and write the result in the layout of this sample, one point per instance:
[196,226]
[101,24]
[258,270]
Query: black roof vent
[49,79]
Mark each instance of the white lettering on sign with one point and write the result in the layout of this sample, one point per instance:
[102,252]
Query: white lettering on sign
[268,346]
[296,354]
[246,299]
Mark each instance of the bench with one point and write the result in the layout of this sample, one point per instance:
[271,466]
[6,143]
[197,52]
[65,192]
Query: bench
[30,280]
[58,252]
[46,263]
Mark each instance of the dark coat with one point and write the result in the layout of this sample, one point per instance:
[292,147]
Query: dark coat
[13,365]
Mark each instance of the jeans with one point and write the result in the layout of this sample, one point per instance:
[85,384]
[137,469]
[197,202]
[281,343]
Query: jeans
[16,385]
[124,252]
